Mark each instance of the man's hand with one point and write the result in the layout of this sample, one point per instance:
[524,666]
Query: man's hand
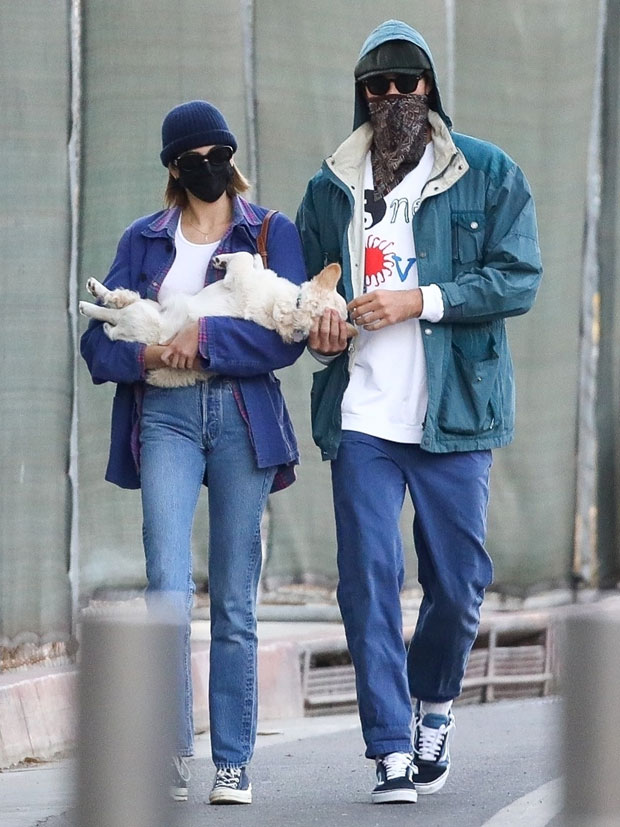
[182,350]
[328,334]
[381,308]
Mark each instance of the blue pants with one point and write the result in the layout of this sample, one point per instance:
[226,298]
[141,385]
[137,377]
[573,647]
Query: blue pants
[185,432]
[450,496]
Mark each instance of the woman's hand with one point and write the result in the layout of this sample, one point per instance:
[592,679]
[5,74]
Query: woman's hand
[328,334]
[182,350]
[381,308]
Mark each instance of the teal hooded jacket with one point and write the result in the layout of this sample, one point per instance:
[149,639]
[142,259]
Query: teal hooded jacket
[476,238]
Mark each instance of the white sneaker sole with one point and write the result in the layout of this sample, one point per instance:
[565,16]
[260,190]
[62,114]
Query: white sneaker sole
[432,786]
[178,793]
[224,796]
[394,797]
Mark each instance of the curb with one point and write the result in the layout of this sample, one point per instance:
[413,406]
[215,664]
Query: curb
[38,706]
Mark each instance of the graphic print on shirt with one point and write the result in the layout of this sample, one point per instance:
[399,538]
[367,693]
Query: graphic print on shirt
[373,210]
[380,257]
[379,262]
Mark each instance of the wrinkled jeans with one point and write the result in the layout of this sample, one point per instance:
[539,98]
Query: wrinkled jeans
[187,433]
[450,495]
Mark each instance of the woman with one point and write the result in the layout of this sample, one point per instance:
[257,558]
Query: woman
[232,432]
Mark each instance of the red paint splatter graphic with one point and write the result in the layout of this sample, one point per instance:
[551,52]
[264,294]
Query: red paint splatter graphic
[378,261]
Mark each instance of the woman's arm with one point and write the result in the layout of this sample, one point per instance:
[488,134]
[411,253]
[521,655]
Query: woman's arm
[114,361]
[237,347]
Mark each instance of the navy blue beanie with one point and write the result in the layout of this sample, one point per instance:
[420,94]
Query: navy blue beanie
[190,125]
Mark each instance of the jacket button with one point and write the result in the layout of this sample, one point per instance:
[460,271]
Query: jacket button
[422,254]
[427,331]
[474,225]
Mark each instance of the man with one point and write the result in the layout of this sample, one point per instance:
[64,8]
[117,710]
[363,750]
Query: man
[436,234]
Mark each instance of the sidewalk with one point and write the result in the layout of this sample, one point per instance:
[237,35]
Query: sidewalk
[38,705]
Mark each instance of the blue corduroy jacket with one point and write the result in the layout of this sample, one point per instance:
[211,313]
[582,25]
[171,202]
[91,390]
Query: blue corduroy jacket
[231,347]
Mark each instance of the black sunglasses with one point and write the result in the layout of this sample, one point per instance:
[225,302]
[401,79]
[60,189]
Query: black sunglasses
[194,161]
[379,84]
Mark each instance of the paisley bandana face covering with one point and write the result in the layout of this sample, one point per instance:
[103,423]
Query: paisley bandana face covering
[400,126]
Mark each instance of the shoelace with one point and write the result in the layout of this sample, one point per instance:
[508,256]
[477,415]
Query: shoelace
[181,767]
[227,777]
[396,764]
[430,741]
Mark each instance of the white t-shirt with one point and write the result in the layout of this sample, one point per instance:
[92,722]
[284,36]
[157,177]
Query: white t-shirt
[387,393]
[189,268]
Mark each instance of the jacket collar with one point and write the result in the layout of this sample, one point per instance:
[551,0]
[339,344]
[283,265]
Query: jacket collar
[347,162]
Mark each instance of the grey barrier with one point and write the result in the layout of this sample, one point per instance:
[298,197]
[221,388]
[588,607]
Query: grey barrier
[126,721]
[592,720]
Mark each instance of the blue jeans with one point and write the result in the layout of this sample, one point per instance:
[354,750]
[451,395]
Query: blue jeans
[450,496]
[187,433]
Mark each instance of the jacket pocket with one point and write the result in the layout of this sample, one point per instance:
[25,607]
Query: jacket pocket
[467,236]
[468,403]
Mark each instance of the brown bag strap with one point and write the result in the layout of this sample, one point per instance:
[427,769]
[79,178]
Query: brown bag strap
[261,241]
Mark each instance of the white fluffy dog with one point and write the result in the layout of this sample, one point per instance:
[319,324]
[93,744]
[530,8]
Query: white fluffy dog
[247,291]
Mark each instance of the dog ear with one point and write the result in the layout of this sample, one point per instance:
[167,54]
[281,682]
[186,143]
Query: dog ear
[329,276]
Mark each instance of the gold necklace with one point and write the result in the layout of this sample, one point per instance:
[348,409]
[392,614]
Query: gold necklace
[200,230]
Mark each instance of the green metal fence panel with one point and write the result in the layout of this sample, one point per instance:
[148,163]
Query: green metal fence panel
[36,366]
[521,74]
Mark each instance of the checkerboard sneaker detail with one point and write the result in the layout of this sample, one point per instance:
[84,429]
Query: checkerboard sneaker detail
[431,746]
[180,779]
[395,784]
[231,786]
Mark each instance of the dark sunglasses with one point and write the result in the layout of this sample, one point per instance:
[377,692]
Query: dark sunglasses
[194,161]
[379,84]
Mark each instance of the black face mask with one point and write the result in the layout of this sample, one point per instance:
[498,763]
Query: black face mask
[207,183]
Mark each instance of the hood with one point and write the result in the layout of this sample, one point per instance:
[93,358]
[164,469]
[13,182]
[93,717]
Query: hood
[395,30]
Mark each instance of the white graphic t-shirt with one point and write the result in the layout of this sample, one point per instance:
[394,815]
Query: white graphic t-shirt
[387,393]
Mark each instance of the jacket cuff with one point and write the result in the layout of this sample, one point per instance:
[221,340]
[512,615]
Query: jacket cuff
[141,362]
[203,348]
[323,358]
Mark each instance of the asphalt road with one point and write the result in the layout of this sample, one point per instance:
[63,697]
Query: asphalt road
[506,764]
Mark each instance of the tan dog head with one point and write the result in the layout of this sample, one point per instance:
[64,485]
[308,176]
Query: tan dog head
[318,295]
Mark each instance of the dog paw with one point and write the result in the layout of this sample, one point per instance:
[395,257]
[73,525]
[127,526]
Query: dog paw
[94,287]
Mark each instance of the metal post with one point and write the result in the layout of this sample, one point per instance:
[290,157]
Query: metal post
[126,723]
[592,721]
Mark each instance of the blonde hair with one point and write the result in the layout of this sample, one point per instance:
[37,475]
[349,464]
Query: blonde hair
[176,196]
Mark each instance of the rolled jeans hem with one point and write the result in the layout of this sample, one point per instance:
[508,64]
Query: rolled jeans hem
[377,748]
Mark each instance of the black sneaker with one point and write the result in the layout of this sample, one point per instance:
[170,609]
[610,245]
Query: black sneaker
[180,779]
[431,745]
[395,779]
[231,786]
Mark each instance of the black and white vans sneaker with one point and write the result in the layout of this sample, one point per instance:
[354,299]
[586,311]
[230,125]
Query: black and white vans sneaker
[231,786]
[395,784]
[431,745]
[180,779]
